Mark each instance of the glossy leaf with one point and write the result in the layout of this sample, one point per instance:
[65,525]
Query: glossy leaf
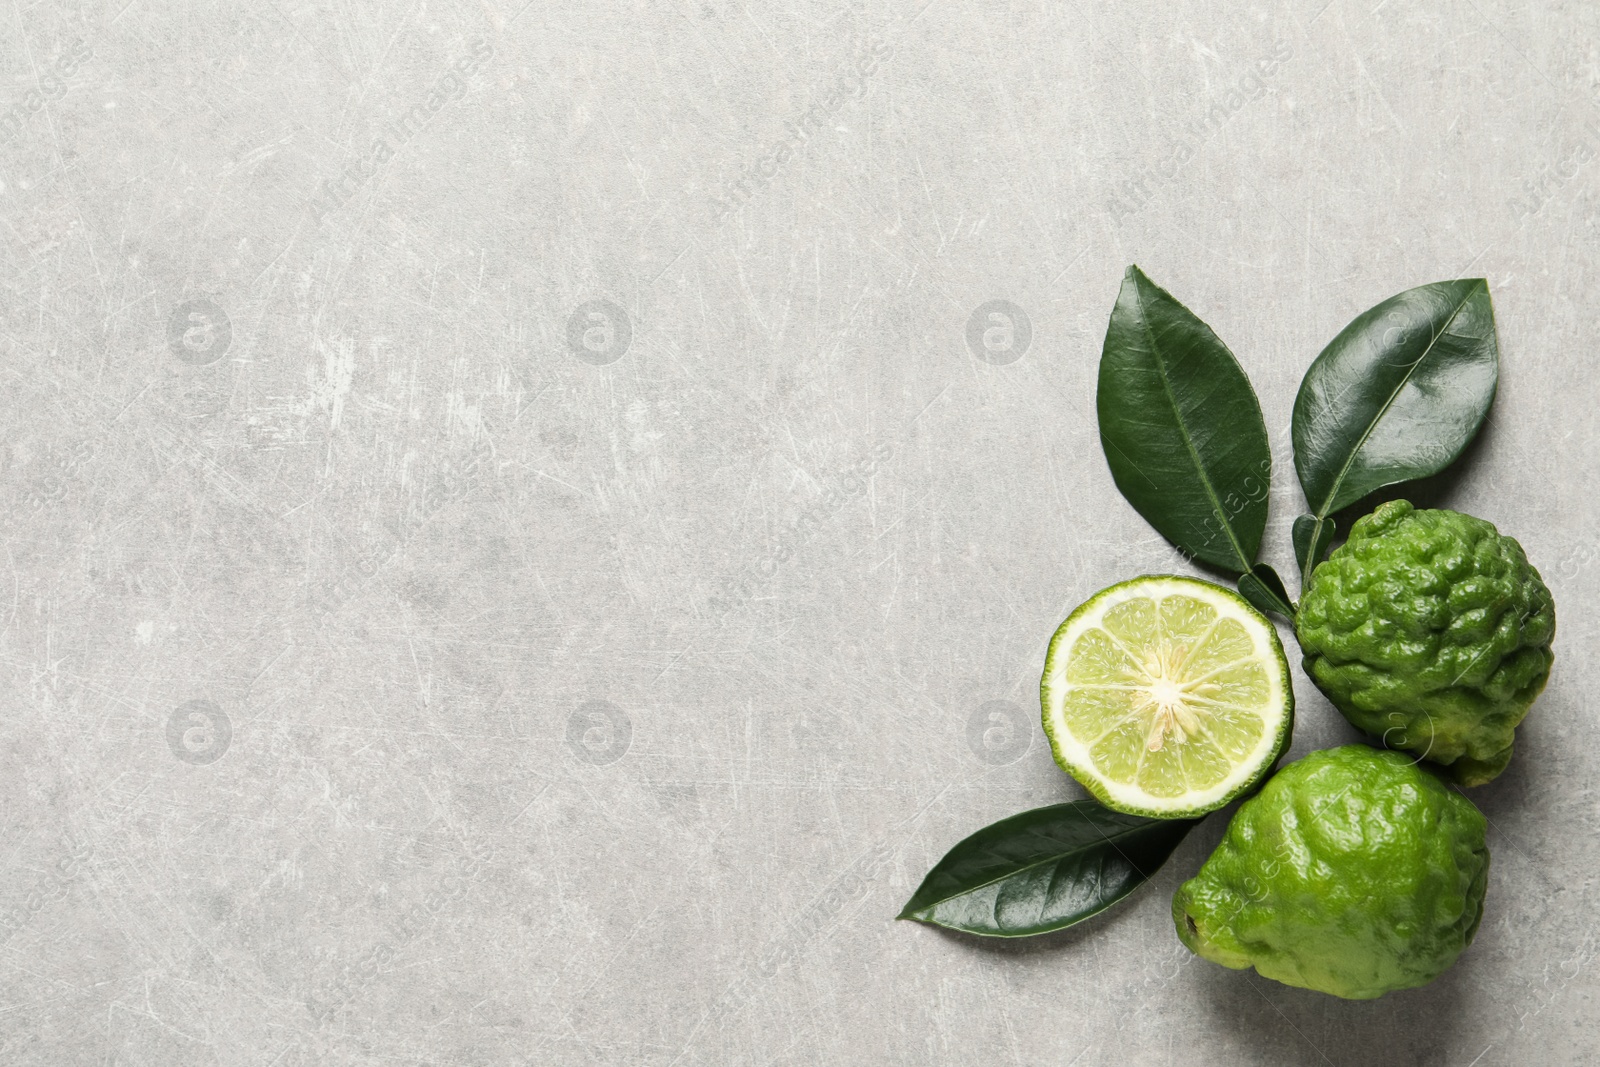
[1044,870]
[1306,528]
[1397,395]
[1182,429]
[1263,588]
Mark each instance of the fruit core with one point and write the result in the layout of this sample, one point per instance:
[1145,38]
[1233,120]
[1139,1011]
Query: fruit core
[1164,698]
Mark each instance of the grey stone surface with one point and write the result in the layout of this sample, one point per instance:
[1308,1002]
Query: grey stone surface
[526,532]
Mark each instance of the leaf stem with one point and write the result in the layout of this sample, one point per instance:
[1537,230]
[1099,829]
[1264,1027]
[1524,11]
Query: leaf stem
[1311,554]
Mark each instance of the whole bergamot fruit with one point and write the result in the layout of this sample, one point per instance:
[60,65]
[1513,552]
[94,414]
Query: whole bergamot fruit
[1353,872]
[1432,631]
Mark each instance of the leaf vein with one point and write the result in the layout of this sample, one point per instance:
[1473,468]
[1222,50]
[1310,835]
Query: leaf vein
[1344,471]
[1057,858]
[1183,429]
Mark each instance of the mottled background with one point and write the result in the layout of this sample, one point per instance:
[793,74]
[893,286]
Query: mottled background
[529,528]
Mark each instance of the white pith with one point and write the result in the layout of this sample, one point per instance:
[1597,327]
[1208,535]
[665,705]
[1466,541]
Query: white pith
[1172,717]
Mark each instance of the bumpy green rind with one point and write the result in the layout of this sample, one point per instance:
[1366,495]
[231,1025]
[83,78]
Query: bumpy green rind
[1431,631]
[1353,872]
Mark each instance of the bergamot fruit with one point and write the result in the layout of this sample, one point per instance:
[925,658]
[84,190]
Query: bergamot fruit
[1166,696]
[1354,872]
[1431,631]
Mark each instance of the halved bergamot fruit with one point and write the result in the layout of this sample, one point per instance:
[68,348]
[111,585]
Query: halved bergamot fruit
[1166,696]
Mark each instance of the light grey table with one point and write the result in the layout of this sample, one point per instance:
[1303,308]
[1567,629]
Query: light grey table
[527,533]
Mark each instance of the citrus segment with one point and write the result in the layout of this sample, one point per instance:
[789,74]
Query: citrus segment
[1117,753]
[1227,643]
[1133,623]
[1099,712]
[1203,765]
[1233,731]
[1185,619]
[1096,658]
[1239,685]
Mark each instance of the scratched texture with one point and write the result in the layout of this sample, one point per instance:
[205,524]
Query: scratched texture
[528,529]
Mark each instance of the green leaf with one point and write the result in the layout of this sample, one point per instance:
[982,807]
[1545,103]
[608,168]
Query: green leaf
[1263,588]
[1044,870]
[1182,429]
[1305,528]
[1397,395]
